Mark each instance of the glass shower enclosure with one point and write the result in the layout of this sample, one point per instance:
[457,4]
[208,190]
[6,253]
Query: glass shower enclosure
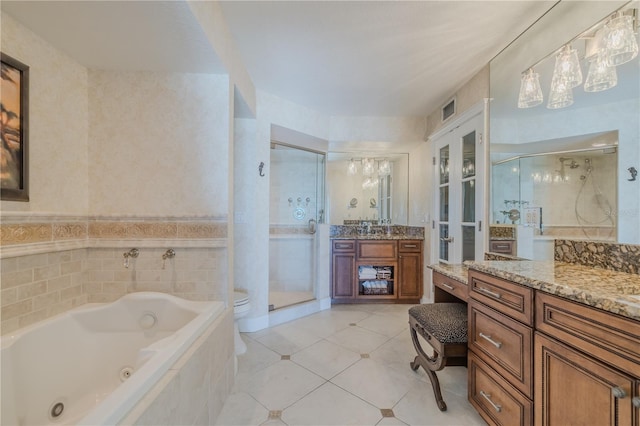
[297,200]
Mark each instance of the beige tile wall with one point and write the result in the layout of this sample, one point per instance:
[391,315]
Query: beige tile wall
[39,286]
[194,273]
[52,278]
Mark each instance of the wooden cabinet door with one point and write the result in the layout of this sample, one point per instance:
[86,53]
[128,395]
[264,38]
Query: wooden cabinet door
[410,275]
[572,388]
[342,276]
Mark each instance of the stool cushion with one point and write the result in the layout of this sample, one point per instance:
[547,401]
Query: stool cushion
[447,322]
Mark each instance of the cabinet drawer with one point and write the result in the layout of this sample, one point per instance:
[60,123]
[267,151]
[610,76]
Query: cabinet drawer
[606,336]
[411,246]
[503,343]
[504,296]
[502,246]
[450,285]
[344,245]
[495,399]
[377,250]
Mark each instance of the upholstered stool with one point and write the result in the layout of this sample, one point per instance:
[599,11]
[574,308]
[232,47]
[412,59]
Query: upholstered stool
[444,327]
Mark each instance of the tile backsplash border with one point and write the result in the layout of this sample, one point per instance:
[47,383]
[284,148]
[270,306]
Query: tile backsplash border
[24,234]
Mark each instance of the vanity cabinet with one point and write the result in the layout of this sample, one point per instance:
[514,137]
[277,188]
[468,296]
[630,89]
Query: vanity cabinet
[376,271]
[587,365]
[500,342]
[343,263]
[536,358]
[410,269]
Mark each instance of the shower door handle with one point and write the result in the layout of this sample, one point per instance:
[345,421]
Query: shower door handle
[312,226]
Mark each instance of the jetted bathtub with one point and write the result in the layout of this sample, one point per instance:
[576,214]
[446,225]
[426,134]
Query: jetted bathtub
[92,365]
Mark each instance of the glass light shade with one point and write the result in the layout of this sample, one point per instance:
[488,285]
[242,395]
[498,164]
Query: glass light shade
[601,76]
[352,168]
[560,94]
[369,183]
[568,66]
[385,168]
[530,90]
[367,166]
[620,41]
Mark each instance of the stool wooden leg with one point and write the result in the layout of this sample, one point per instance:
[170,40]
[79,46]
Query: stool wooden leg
[429,365]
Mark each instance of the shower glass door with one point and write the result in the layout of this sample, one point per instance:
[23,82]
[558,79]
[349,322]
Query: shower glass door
[297,197]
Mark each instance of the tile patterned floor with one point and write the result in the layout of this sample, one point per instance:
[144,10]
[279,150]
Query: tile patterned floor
[345,366]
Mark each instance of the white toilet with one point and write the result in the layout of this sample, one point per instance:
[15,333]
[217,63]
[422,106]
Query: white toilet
[241,306]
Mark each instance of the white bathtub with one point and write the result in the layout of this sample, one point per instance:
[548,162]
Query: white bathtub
[81,358]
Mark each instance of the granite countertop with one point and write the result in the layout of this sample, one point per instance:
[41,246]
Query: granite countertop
[502,239]
[455,272]
[376,237]
[616,292]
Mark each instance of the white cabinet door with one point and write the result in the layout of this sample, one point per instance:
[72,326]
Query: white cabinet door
[459,193]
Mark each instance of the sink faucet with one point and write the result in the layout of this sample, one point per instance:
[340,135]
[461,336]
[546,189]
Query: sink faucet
[367,227]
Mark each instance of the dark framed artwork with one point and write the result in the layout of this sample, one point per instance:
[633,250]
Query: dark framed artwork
[14,126]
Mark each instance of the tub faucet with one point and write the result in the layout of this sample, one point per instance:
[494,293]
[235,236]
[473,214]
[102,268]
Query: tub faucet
[134,252]
[169,254]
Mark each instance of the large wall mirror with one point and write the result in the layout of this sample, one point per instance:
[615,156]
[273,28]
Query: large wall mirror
[371,187]
[564,168]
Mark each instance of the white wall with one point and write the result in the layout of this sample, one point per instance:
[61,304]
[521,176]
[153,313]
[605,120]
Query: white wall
[158,144]
[58,124]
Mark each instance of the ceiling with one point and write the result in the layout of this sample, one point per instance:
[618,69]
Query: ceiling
[352,58]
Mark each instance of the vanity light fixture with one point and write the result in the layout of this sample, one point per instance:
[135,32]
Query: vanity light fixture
[384,168]
[609,43]
[367,166]
[620,41]
[601,76]
[567,66]
[530,90]
[352,168]
[561,93]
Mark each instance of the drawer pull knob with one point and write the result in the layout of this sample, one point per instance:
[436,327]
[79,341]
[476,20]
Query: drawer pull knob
[493,342]
[410,246]
[447,286]
[495,406]
[618,392]
[636,401]
[489,292]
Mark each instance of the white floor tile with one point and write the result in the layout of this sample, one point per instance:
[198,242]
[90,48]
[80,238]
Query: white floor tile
[387,325]
[418,407]
[325,346]
[241,409]
[358,339]
[287,339]
[375,383]
[326,359]
[279,385]
[330,405]
[391,421]
[257,357]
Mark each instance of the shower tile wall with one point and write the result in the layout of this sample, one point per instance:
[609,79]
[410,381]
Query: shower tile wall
[295,179]
[539,179]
